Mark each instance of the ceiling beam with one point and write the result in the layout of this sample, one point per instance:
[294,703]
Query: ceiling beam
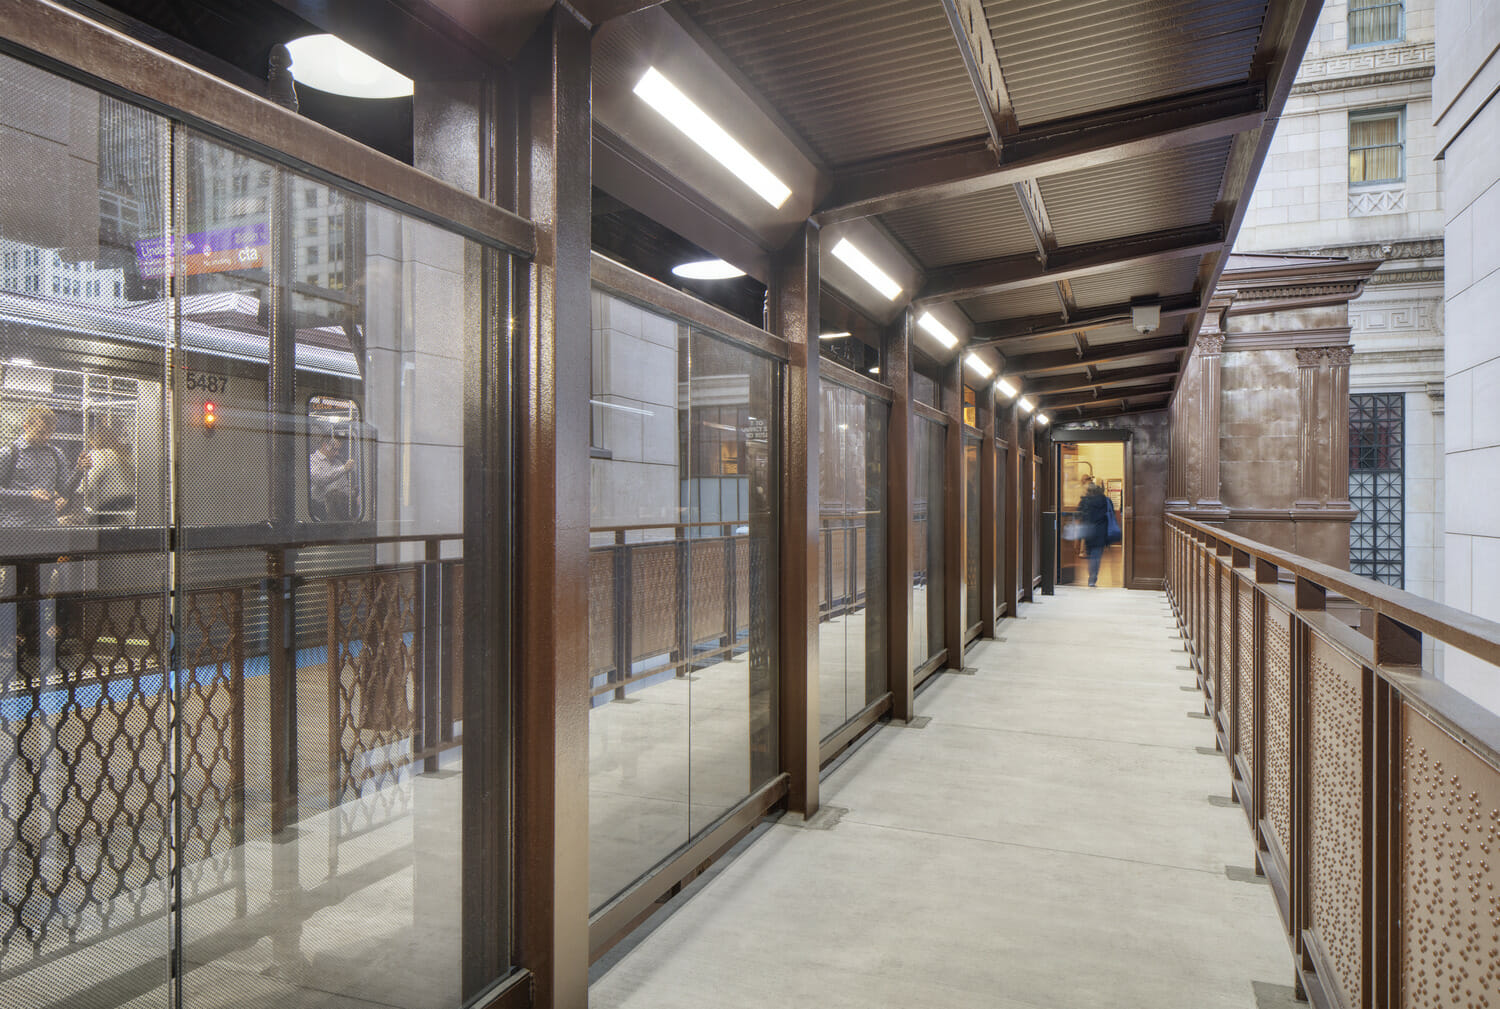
[598,11]
[1067,360]
[1114,396]
[1096,379]
[1035,327]
[916,178]
[992,276]
[1153,405]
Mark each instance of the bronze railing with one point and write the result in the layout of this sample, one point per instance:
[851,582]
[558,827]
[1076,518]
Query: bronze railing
[114,723]
[1372,789]
[842,544]
[668,604]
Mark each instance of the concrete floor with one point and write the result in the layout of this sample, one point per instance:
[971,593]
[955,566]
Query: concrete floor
[1046,840]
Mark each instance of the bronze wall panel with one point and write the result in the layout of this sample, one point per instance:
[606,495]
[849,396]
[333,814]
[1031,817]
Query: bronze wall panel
[1259,430]
[1450,904]
[1336,871]
[1278,725]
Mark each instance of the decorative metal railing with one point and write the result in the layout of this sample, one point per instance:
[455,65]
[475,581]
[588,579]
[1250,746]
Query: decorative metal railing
[1372,789]
[124,728]
[669,604]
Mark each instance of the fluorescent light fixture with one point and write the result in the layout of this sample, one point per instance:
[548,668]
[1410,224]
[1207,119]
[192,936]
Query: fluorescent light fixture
[328,63]
[977,366]
[832,336]
[1005,387]
[679,110]
[1043,419]
[1026,405]
[622,408]
[875,369]
[872,274]
[707,269]
[940,332]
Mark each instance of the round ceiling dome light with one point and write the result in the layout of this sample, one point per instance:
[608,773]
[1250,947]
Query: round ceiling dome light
[328,63]
[707,269]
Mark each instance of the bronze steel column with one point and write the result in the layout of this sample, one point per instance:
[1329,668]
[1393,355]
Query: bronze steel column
[1210,348]
[954,527]
[1027,525]
[988,567]
[899,496]
[1338,418]
[552,717]
[793,300]
[1010,564]
[1308,359]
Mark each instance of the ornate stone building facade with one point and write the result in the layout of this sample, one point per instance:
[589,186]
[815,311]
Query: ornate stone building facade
[1351,173]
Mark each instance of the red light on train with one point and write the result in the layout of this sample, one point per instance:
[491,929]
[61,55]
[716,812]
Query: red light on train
[210,415]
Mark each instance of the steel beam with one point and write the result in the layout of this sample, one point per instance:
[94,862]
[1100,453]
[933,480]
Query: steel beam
[1100,398]
[1096,380]
[1035,327]
[1009,273]
[1067,360]
[917,178]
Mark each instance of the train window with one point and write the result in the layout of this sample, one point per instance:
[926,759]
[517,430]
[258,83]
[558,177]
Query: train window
[335,470]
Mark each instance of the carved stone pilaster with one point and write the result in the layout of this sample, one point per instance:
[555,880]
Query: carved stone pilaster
[1308,360]
[1338,418]
[1210,355]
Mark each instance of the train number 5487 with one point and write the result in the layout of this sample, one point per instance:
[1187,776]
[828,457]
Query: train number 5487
[207,381]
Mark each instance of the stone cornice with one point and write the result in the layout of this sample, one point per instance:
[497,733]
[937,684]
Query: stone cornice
[1385,277]
[1370,60]
[1316,340]
[1313,87]
[1421,248]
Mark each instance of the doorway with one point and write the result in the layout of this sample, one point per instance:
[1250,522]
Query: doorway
[1082,467]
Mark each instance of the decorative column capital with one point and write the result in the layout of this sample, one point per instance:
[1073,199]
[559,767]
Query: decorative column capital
[1340,355]
[1211,343]
[1309,357]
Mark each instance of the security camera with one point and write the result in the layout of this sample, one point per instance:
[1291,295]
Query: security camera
[1145,318]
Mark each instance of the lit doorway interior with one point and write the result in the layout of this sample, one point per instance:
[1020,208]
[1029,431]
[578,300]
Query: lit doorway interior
[1079,464]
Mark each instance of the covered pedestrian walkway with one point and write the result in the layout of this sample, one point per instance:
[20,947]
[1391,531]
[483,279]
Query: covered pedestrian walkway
[1054,829]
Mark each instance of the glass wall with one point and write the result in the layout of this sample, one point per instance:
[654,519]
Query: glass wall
[972,615]
[682,585]
[928,440]
[1003,593]
[238,746]
[852,669]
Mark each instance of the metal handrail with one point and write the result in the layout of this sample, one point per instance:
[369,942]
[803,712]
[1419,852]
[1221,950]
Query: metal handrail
[1465,631]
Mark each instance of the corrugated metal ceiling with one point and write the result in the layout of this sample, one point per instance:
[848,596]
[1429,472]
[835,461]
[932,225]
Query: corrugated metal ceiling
[857,78]
[1175,276]
[1064,58]
[982,226]
[1172,189]
[1039,300]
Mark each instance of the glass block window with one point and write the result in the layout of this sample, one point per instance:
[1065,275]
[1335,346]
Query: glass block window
[1374,21]
[1377,142]
[1377,471]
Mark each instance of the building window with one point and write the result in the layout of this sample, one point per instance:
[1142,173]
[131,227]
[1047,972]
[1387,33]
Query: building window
[1374,21]
[1376,146]
[1377,476]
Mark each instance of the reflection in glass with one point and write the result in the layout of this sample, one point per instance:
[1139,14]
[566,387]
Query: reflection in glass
[852,554]
[247,746]
[1003,593]
[971,532]
[928,440]
[682,576]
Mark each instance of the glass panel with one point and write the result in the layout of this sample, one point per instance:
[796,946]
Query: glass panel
[971,531]
[928,439]
[682,621]
[1375,148]
[1003,593]
[330,340]
[1373,21]
[852,559]
[85,708]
